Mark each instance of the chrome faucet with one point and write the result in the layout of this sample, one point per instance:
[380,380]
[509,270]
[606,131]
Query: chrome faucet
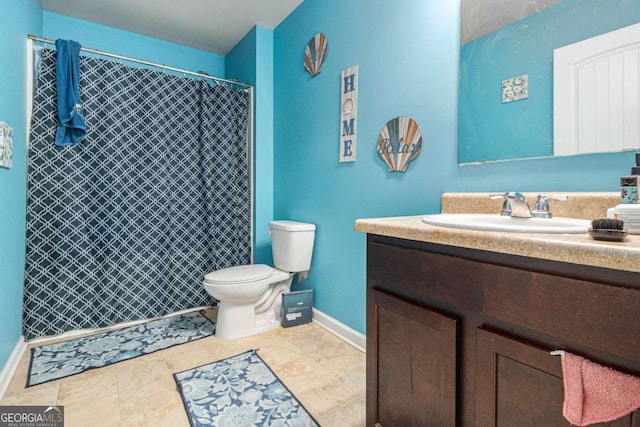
[515,204]
[541,209]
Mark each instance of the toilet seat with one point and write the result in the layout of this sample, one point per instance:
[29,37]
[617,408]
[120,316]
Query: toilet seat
[239,274]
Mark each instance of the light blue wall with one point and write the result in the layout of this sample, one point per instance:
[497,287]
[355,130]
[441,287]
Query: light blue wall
[109,39]
[20,18]
[251,61]
[407,53]
[490,130]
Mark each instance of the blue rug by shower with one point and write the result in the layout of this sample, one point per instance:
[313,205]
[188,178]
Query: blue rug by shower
[63,359]
[239,391]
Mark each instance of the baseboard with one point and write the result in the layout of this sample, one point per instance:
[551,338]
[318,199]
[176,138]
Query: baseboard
[342,331]
[12,364]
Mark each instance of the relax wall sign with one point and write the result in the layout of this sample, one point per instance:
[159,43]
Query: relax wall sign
[399,143]
[349,114]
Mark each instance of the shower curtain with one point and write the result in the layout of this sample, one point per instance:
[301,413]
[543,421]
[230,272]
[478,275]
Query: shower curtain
[124,225]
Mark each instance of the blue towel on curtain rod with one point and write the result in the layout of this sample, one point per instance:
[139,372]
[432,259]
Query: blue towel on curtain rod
[71,125]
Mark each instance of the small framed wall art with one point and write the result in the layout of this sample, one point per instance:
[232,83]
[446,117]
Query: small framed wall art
[515,89]
[6,145]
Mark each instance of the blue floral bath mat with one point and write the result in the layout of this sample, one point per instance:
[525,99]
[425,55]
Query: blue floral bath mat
[63,359]
[240,391]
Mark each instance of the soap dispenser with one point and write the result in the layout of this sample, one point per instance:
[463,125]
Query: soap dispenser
[629,184]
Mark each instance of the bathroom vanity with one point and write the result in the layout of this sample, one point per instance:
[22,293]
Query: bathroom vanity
[460,323]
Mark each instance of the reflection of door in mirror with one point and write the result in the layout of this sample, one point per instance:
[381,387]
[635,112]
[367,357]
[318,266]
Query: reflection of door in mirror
[596,94]
[490,130]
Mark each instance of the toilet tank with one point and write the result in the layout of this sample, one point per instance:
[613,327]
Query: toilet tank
[292,245]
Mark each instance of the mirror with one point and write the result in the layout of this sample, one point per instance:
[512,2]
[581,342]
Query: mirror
[506,70]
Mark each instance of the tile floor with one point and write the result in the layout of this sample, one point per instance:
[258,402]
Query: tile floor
[323,372]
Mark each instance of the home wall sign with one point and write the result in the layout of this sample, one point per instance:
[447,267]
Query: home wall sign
[315,54]
[399,143]
[349,114]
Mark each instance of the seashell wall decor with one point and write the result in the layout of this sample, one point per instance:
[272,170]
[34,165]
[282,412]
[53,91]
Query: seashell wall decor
[399,143]
[315,54]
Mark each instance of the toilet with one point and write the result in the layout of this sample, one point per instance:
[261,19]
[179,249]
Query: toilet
[250,296]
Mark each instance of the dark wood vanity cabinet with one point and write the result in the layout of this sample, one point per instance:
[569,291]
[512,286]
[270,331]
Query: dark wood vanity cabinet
[460,337]
[414,365]
[521,385]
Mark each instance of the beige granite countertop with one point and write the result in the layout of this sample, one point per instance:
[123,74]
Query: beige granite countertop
[576,248]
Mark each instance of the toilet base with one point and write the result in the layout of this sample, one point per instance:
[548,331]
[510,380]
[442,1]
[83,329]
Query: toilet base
[235,321]
[241,320]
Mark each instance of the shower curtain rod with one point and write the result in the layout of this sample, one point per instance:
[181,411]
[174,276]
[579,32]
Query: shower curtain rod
[151,64]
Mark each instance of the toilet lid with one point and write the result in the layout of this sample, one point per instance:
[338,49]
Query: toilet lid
[239,274]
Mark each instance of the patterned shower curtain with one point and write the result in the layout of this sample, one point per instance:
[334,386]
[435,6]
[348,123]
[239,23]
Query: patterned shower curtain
[124,225]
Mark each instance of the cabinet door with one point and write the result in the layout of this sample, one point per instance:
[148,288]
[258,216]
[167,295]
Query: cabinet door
[411,364]
[519,384]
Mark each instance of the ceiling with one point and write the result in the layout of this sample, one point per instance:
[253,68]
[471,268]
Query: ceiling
[210,25]
[480,17]
[218,25]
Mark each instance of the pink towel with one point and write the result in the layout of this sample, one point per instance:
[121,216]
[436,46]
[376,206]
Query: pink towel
[595,393]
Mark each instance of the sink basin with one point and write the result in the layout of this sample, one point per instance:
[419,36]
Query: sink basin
[493,222]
